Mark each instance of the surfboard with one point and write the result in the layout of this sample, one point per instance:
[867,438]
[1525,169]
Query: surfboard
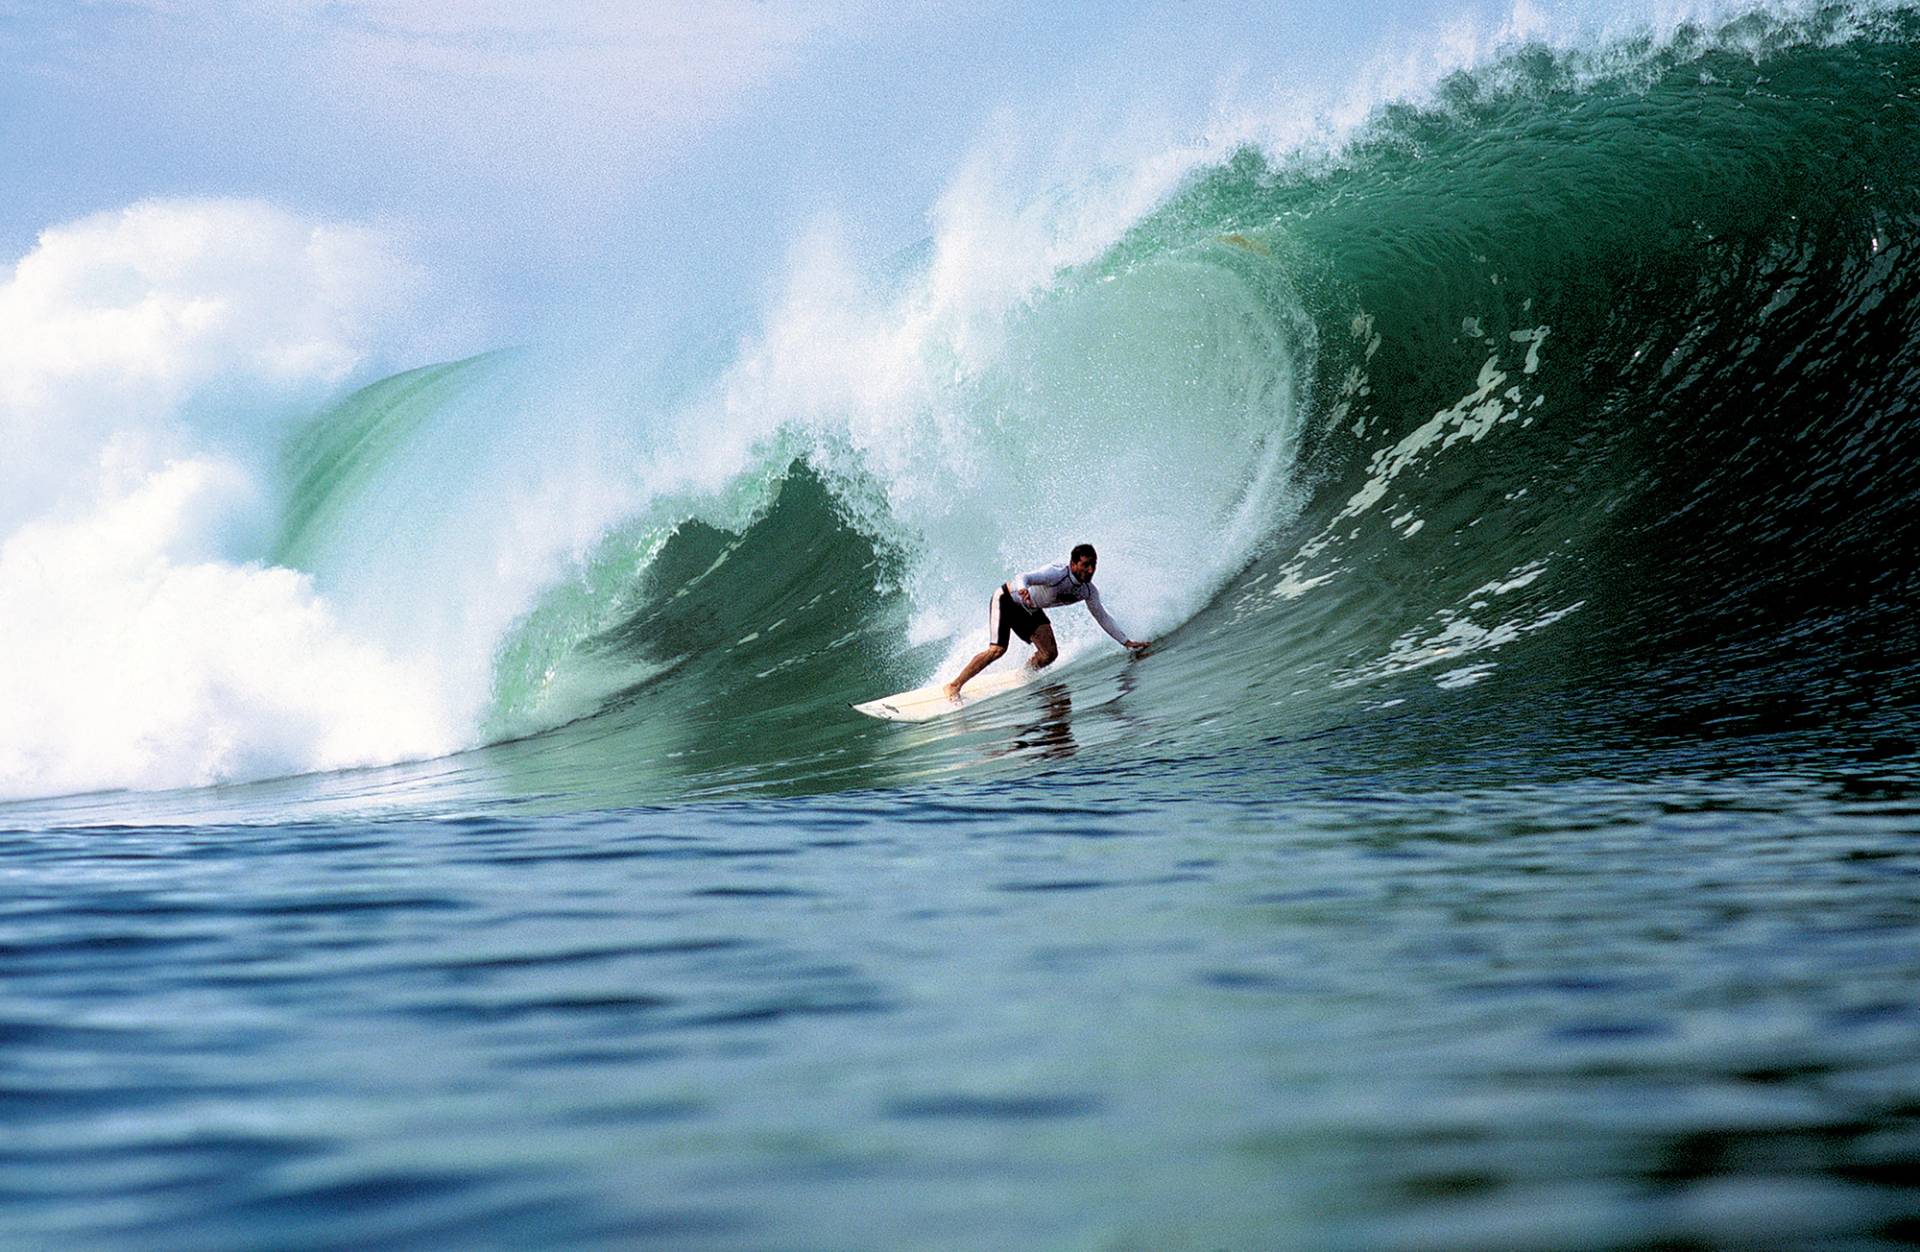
[926,703]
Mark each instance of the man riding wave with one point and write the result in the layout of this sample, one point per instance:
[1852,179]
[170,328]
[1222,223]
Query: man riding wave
[1018,606]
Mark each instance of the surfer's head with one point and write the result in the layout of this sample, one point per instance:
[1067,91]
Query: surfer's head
[1082,560]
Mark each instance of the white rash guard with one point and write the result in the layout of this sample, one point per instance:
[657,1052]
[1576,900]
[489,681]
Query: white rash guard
[1055,585]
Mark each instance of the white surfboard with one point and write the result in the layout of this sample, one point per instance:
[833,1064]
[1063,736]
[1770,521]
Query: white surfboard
[925,703]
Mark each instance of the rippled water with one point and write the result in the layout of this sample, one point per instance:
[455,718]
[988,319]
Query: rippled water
[1586,1014]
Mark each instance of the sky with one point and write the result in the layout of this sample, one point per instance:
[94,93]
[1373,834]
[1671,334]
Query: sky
[537,158]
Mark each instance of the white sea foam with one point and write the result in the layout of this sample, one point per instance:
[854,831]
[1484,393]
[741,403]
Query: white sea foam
[129,658]
[146,358]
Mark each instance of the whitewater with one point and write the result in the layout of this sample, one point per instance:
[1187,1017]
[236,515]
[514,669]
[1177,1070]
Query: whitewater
[432,813]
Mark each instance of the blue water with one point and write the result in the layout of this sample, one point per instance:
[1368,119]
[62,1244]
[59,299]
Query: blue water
[1588,1014]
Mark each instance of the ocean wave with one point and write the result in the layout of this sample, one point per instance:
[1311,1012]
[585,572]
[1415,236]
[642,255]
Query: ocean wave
[1562,399]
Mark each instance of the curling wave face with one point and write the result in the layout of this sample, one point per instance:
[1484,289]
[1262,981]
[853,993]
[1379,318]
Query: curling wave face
[1557,420]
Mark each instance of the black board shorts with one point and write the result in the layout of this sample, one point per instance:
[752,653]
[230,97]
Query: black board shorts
[1004,613]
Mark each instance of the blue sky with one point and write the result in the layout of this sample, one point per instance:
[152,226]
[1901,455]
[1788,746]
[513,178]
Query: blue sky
[537,156]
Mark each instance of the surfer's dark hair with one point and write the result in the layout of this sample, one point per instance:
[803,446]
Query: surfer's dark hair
[1082,549]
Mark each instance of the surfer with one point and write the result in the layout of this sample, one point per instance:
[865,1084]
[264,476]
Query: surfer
[1019,607]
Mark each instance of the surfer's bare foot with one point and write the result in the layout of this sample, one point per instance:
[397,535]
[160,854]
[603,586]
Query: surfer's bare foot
[953,692]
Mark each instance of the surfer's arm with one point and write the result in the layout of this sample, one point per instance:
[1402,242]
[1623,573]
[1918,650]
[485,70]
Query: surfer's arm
[1107,623]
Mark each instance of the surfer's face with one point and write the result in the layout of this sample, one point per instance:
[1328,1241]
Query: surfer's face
[1082,567]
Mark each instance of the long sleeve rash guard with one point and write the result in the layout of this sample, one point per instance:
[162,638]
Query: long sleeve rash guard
[1056,585]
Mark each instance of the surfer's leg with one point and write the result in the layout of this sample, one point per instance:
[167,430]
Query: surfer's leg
[999,627]
[1044,648]
[992,653]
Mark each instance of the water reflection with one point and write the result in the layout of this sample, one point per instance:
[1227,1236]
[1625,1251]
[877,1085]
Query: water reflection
[1050,737]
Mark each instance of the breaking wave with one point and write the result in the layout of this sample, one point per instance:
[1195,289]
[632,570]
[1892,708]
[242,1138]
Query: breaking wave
[1560,412]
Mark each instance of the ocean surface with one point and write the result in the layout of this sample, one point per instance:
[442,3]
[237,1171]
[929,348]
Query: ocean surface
[1512,839]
